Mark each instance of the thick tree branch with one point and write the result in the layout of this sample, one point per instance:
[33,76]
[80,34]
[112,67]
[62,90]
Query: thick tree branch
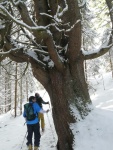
[22,8]
[37,13]
[74,45]
[53,53]
[20,56]
[105,49]
[18,52]
[98,53]
[38,28]
[29,21]
[41,7]
[39,73]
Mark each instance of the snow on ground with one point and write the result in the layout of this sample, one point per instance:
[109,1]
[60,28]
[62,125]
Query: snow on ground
[13,131]
[95,132]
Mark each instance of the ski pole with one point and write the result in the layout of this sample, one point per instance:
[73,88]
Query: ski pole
[24,123]
[23,141]
[44,94]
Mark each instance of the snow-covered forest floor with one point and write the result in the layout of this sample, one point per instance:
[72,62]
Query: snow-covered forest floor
[95,132]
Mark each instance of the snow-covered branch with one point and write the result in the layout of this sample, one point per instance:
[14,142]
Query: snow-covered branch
[16,3]
[8,52]
[38,28]
[47,15]
[96,53]
[60,13]
[68,30]
[81,4]
[40,51]
[35,57]
[53,53]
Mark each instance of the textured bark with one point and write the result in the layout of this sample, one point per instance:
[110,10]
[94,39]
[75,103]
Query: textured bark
[61,112]
[61,89]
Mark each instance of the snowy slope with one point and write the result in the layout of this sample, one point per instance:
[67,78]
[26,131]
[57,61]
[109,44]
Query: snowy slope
[95,132]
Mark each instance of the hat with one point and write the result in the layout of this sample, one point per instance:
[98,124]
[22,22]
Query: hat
[36,94]
[31,98]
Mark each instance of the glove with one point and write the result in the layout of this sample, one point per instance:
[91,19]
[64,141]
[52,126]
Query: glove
[47,111]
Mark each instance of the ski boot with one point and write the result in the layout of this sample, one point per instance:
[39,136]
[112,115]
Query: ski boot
[30,147]
[36,148]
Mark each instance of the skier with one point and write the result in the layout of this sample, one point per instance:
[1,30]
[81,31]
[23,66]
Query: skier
[31,110]
[40,101]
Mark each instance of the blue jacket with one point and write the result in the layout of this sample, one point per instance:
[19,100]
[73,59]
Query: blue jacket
[36,110]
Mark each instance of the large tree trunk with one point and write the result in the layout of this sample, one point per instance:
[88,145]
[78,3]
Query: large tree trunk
[65,91]
[61,96]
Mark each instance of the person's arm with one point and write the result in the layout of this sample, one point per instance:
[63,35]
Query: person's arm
[43,102]
[44,111]
[38,109]
[24,113]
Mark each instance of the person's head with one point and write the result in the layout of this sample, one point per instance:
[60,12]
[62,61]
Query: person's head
[37,94]
[32,99]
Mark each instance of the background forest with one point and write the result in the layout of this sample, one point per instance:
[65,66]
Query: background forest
[16,83]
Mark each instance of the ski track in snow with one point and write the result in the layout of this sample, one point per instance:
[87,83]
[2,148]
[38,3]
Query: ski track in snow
[13,130]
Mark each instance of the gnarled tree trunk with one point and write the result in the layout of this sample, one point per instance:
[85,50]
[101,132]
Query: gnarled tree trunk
[65,91]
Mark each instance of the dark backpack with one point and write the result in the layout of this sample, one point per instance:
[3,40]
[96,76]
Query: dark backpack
[30,115]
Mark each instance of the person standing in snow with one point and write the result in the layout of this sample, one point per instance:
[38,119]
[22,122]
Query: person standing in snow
[33,122]
[40,101]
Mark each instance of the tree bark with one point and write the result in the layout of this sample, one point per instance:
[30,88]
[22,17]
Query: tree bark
[61,89]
